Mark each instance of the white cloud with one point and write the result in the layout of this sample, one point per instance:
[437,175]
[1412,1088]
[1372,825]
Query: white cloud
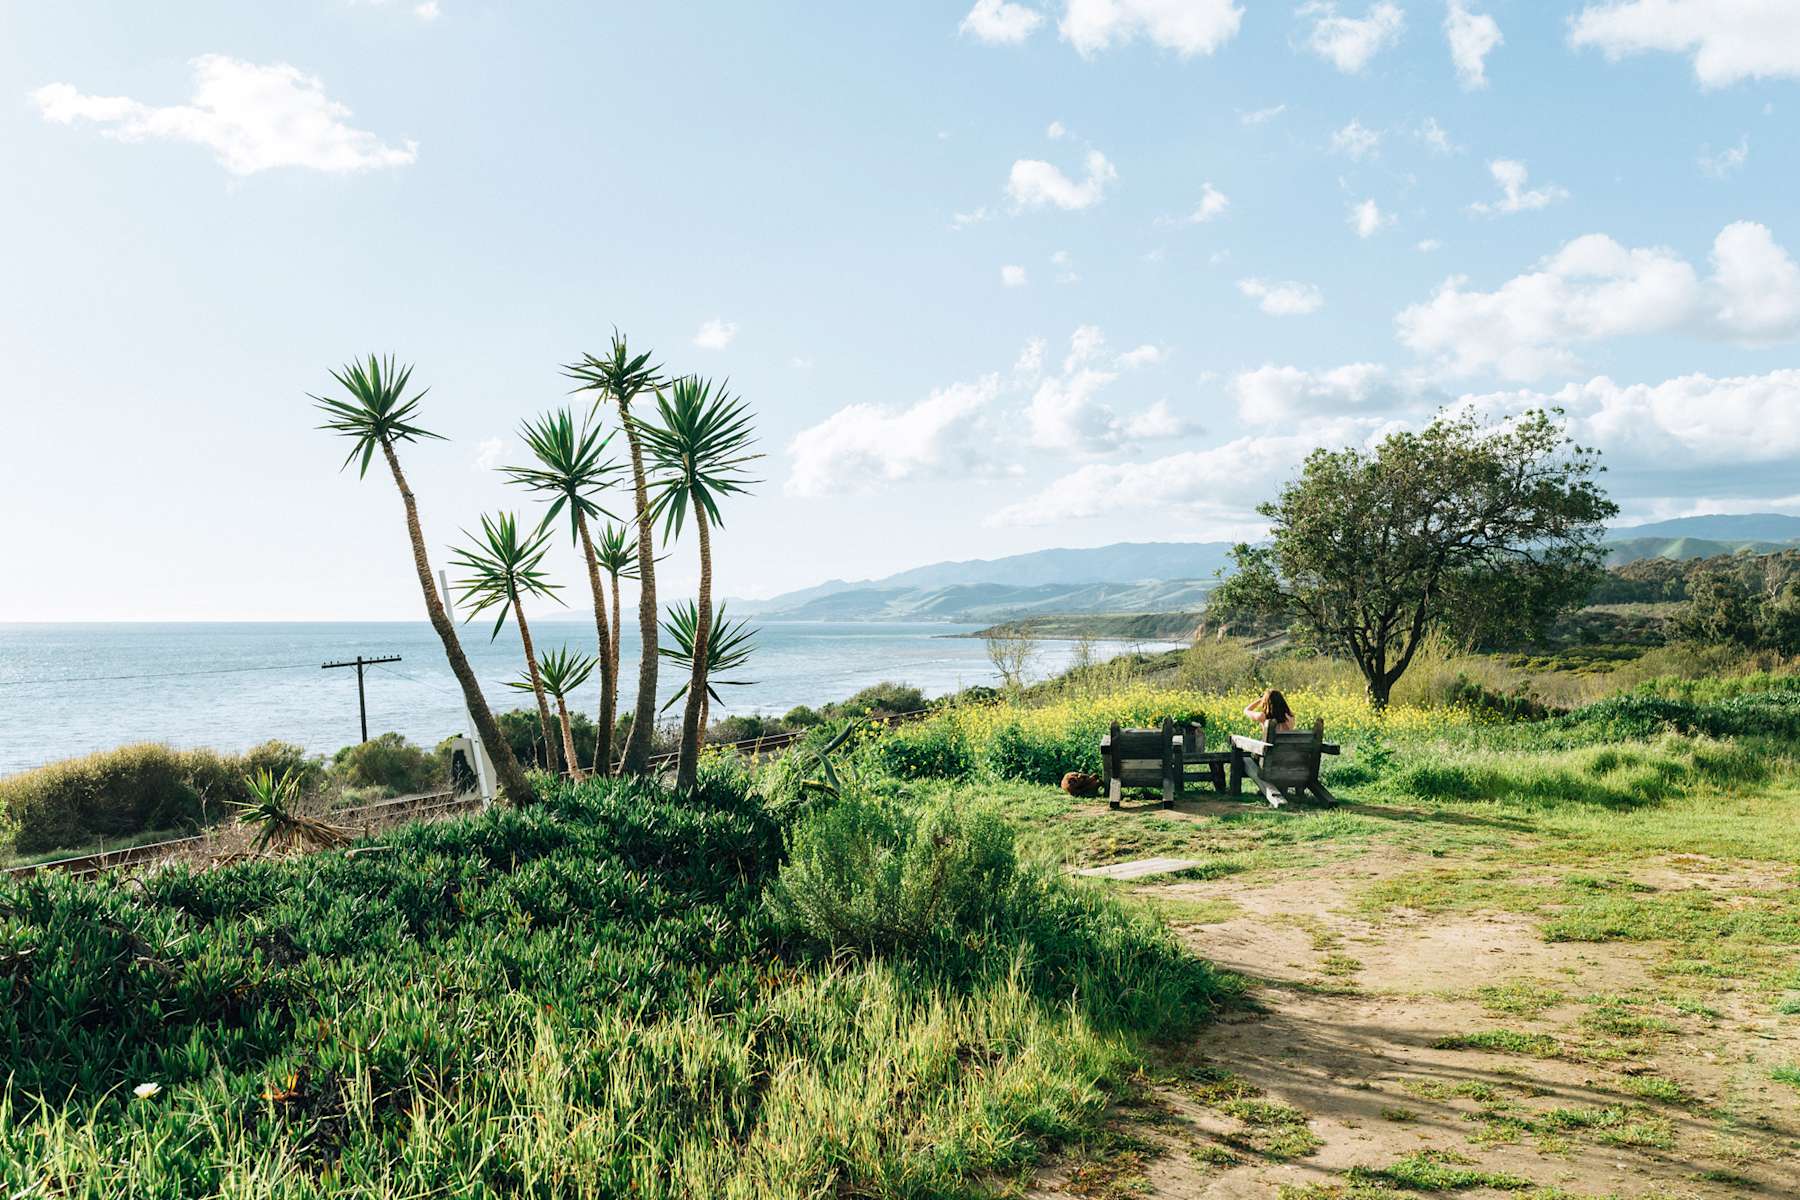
[1755,288]
[1594,288]
[1472,37]
[800,362]
[1726,162]
[427,11]
[1065,412]
[715,334]
[1350,43]
[1435,136]
[1279,395]
[1428,246]
[1213,204]
[963,220]
[1368,219]
[1731,40]
[1356,140]
[1283,299]
[488,452]
[1055,130]
[1000,23]
[1030,362]
[1035,184]
[1188,27]
[252,117]
[1511,175]
[864,445]
[1695,419]
[1065,271]
[1262,116]
[1012,276]
[1204,487]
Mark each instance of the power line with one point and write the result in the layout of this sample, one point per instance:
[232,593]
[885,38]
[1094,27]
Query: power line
[153,675]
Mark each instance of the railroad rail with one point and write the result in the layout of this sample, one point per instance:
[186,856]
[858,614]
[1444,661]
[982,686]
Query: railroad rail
[410,807]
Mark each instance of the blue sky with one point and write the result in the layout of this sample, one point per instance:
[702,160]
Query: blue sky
[995,279]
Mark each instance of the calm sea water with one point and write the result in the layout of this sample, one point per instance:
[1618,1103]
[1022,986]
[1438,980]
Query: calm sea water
[69,689]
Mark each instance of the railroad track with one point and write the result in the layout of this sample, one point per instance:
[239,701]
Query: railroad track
[366,815]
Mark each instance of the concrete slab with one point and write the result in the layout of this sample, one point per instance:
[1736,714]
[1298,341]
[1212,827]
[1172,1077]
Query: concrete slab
[1138,868]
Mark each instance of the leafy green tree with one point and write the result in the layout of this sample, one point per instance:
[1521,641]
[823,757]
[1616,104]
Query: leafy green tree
[561,672]
[616,553]
[504,568]
[378,416]
[620,378]
[1371,548]
[701,449]
[1721,609]
[729,646]
[1778,620]
[571,468]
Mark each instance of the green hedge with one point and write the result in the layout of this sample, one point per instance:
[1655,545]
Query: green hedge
[124,792]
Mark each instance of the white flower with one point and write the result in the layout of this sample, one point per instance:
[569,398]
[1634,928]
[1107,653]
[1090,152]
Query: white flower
[144,1091]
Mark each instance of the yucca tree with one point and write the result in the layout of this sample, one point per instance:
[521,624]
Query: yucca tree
[619,379]
[701,448]
[616,552]
[502,569]
[562,672]
[729,646]
[378,416]
[571,468]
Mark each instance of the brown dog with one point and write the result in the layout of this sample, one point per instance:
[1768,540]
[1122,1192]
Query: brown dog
[1080,783]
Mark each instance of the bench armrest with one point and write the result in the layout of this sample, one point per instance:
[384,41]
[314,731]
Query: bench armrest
[1249,745]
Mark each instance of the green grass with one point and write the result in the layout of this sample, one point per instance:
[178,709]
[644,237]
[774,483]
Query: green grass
[1503,1041]
[589,997]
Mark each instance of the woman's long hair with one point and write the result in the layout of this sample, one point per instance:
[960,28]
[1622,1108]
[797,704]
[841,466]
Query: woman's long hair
[1274,707]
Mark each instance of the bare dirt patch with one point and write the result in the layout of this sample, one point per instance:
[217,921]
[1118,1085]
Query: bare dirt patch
[1456,1053]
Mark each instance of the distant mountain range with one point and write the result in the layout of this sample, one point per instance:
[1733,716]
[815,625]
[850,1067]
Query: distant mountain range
[1704,537]
[1129,577]
[1162,577]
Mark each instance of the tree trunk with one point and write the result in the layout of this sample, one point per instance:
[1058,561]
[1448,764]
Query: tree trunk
[612,715]
[643,721]
[687,769]
[507,771]
[574,760]
[609,679]
[552,752]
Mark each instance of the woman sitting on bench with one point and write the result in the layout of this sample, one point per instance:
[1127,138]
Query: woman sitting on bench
[1272,707]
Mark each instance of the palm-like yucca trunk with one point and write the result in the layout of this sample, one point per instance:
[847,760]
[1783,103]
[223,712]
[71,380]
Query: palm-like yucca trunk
[552,750]
[506,766]
[693,716]
[643,721]
[618,637]
[609,658]
[568,740]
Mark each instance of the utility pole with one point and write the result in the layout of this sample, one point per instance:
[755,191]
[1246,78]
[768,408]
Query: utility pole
[362,704]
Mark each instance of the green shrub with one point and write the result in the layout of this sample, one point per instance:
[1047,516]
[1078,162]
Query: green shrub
[932,749]
[864,875]
[878,700]
[389,764]
[1014,753]
[801,717]
[117,794]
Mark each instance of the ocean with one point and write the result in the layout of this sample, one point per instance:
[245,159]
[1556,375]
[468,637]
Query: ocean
[70,689]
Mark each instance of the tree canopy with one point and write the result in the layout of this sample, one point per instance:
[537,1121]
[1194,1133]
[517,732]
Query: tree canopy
[1481,530]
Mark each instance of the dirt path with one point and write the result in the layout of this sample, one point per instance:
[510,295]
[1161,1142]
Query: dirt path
[1458,1053]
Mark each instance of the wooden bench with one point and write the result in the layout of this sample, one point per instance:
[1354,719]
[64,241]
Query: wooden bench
[1167,758]
[1283,766]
